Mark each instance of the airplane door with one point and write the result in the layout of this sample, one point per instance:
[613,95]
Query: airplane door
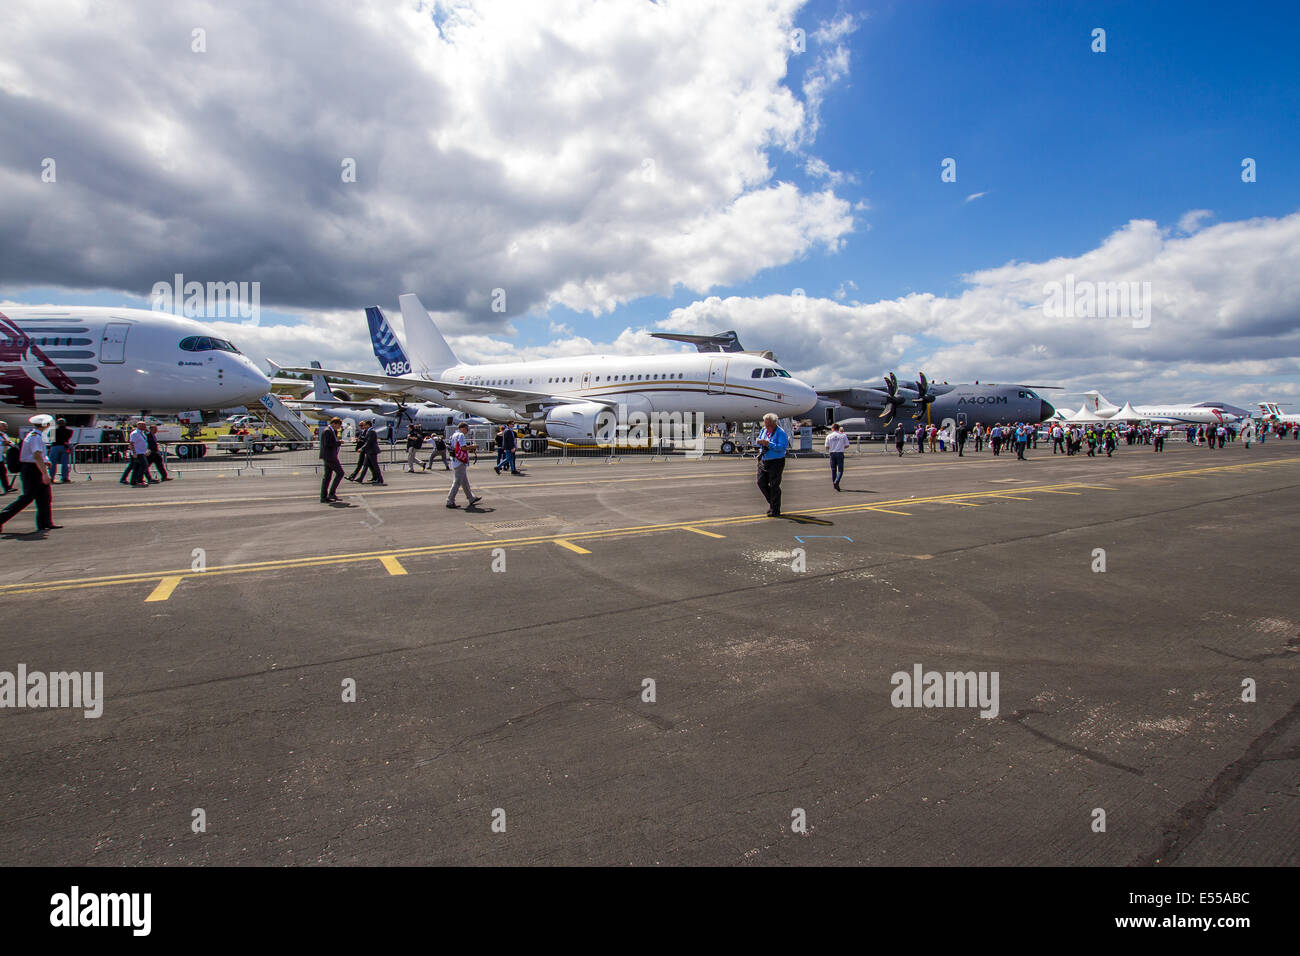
[961,418]
[112,347]
[717,376]
[586,380]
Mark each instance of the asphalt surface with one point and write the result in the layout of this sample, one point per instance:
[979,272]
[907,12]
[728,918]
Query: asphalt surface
[522,690]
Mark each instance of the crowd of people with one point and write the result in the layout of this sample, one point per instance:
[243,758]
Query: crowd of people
[1071,439]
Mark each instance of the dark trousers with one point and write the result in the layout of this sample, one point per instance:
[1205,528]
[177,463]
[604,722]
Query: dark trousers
[34,489]
[155,458]
[899,446]
[139,469]
[769,483]
[961,448]
[370,463]
[837,466]
[329,483]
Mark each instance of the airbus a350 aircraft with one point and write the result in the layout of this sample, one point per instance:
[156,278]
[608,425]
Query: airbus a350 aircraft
[1205,413]
[565,397]
[94,360]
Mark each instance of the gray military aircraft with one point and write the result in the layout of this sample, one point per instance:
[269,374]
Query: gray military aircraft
[875,409]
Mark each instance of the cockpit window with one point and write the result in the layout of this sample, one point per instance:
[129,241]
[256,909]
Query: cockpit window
[206,343]
[782,373]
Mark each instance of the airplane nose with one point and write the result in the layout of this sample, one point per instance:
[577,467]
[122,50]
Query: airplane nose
[805,396]
[1046,411]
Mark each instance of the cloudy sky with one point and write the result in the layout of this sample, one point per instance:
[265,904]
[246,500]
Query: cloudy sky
[857,186]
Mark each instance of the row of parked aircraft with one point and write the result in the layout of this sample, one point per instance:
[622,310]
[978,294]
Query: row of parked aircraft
[93,360]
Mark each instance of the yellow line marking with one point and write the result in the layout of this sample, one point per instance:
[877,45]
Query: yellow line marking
[164,589]
[1012,497]
[392,564]
[964,504]
[571,546]
[465,546]
[1046,492]
[707,534]
[1214,468]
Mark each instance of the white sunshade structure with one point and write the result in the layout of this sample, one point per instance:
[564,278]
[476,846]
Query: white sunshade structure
[1083,416]
[1126,414]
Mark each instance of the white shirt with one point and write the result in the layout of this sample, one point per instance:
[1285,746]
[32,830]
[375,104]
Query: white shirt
[837,441]
[34,442]
[139,444]
[457,440]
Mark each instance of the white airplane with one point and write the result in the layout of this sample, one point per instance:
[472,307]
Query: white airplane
[93,360]
[1272,411]
[1206,413]
[564,397]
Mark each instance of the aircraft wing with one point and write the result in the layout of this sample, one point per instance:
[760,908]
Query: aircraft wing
[297,386]
[864,398]
[339,403]
[524,401]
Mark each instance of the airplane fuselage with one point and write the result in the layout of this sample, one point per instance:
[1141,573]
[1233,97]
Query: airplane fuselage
[720,386]
[118,361]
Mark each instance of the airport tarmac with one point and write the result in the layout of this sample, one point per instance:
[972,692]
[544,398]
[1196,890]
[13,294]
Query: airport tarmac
[522,690]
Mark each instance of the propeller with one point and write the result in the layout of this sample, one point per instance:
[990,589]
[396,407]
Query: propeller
[923,396]
[893,401]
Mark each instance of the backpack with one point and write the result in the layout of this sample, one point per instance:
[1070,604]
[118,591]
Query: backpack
[460,452]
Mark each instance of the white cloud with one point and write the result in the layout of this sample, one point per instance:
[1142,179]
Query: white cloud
[1226,306]
[566,152]
[973,196]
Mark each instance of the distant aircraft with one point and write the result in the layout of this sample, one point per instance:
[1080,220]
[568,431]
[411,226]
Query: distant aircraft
[393,419]
[567,398]
[874,410]
[80,361]
[1203,413]
[1272,411]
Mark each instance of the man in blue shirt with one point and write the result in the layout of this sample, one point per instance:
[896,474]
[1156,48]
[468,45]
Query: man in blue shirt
[773,443]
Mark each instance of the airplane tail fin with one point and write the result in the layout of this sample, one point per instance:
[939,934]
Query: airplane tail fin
[321,388]
[1097,401]
[429,350]
[388,348]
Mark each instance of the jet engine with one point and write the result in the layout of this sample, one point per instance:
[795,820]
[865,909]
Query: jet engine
[582,423]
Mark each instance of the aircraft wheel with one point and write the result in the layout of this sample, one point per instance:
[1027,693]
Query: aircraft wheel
[728,448]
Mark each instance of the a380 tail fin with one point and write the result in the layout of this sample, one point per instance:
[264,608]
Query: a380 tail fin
[429,350]
[388,348]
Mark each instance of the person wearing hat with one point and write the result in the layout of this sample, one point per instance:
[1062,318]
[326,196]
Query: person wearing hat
[35,476]
[61,450]
[461,446]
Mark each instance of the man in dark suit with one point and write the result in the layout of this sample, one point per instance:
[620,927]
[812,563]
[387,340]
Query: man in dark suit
[508,442]
[329,454]
[370,456]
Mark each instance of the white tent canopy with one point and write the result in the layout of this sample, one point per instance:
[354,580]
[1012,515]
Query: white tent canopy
[1126,414]
[1084,416]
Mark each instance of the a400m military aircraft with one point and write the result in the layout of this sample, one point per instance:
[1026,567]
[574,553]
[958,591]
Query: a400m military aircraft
[875,410]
